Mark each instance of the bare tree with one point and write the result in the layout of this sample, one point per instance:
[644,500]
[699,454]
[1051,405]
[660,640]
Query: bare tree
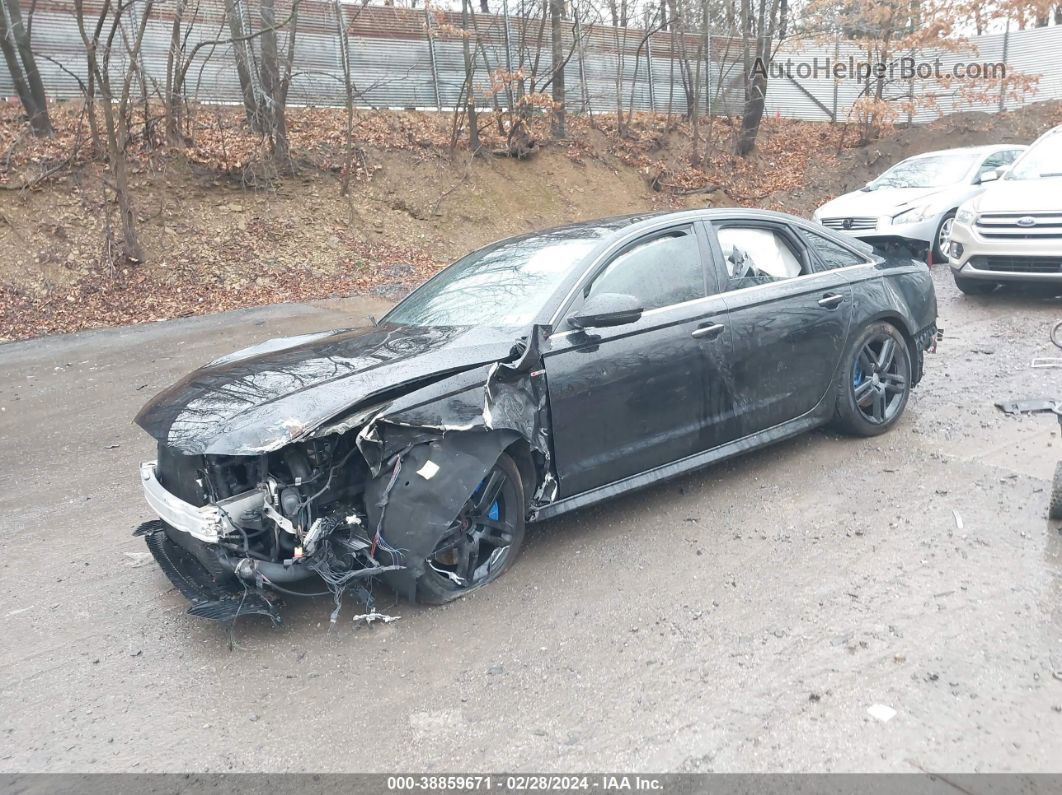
[174,99]
[264,79]
[763,24]
[559,121]
[348,91]
[246,68]
[274,83]
[116,104]
[468,91]
[15,42]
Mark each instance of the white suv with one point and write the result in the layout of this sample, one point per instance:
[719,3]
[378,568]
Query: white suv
[1012,232]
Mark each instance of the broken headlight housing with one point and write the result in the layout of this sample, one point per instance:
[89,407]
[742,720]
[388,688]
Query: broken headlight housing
[914,215]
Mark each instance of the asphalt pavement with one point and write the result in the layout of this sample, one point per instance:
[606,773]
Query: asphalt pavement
[753,616]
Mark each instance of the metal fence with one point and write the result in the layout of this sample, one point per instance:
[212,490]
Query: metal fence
[414,58]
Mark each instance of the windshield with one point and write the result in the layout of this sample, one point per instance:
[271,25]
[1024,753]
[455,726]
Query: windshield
[1043,159]
[504,284]
[925,172]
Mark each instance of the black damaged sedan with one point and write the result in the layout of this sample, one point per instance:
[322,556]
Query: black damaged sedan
[536,375]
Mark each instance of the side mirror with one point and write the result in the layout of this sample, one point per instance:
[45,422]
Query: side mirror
[989,176]
[607,309]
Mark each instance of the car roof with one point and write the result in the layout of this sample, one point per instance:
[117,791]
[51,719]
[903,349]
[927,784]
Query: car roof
[972,150]
[624,223]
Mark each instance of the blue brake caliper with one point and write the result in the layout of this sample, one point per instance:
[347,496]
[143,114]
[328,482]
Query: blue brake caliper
[857,375]
[493,512]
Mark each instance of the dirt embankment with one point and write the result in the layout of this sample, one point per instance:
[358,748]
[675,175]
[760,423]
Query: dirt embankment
[219,235]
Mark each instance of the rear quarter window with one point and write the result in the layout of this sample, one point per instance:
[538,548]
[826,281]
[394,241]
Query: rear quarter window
[832,255]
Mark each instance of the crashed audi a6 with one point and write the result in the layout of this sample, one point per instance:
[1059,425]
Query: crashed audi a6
[538,374]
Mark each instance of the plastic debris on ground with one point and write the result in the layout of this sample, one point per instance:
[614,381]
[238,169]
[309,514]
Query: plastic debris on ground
[881,712]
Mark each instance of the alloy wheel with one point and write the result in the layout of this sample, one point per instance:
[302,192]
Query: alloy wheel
[479,541]
[880,379]
[944,235]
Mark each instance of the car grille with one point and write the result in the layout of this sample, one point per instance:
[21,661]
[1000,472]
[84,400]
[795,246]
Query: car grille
[1018,264]
[1020,226]
[848,224]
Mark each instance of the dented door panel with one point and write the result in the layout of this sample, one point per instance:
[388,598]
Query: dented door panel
[629,399]
[786,347]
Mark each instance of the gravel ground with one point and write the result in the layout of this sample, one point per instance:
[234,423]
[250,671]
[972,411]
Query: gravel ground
[743,618]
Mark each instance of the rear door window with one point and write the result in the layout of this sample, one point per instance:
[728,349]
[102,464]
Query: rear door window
[758,255]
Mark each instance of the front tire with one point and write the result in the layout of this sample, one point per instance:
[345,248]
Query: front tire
[874,381]
[940,239]
[484,540]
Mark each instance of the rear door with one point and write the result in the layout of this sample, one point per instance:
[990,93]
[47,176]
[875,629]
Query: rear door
[629,398]
[788,314]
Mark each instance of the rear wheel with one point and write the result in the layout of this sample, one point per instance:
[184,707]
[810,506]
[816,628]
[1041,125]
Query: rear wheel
[973,286]
[874,381]
[482,542]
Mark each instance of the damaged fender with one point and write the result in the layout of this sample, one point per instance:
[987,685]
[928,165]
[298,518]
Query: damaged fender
[429,457]
[431,482]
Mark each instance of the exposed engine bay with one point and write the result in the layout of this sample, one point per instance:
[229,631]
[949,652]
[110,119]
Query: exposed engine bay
[368,493]
[268,521]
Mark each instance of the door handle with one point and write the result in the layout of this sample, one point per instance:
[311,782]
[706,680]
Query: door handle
[831,300]
[709,332]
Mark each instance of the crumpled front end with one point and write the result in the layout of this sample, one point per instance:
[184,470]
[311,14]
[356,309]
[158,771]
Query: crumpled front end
[365,494]
[235,533]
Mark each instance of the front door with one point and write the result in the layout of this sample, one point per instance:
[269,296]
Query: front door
[629,398]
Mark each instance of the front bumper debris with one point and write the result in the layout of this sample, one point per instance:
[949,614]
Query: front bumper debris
[206,523]
[211,596]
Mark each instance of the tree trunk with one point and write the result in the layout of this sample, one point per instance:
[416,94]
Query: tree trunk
[174,88]
[245,68]
[753,114]
[348,91]
[23,67]
[272,92]
[559,127]
[470,95]
[767,24]
[115,123]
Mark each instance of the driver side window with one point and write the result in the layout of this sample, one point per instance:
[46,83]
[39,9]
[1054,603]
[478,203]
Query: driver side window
[997,160]
[660,272]
[757,255]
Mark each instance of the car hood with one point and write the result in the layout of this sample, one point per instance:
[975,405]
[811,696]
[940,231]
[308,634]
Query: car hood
[1020,196]
[872,203]
[271,394]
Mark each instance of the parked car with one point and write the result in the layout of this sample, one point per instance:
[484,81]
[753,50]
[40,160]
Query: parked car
[915,201]
[539,374]
[1012,232]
